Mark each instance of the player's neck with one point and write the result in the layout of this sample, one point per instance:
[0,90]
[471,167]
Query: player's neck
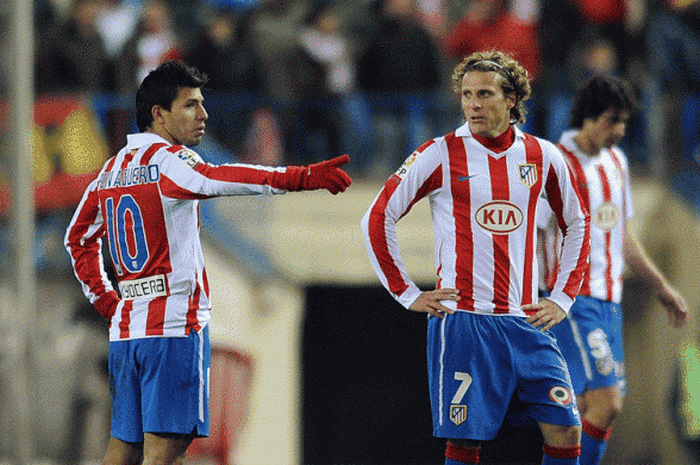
[585,145]
[500,143]
[160,131]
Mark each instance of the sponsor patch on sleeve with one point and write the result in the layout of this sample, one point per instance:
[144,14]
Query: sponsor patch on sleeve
[190,158]
[406,167]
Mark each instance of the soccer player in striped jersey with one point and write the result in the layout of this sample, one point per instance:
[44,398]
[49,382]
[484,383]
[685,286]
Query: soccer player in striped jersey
[145,204]
[591,337]
[488,334]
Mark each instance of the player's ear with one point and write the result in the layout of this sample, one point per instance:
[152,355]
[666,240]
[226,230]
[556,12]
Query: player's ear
[512,99]
[157,113]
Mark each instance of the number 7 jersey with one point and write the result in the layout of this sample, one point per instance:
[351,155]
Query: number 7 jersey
[145,204]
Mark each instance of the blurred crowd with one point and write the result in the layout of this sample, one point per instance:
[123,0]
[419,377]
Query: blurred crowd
[294,81]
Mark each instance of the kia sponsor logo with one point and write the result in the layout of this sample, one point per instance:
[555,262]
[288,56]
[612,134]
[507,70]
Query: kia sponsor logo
[606,217]
[499,217]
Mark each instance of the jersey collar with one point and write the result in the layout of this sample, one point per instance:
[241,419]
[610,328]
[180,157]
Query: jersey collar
[134,141]
[463,131]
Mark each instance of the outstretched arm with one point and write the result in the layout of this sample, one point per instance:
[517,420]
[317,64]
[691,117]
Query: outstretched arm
[187,176]
[328,175]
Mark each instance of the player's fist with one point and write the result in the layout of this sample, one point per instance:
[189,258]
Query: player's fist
[106,304]
[328,175]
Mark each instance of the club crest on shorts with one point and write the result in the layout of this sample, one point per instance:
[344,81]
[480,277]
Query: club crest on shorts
[458,413]
[528,174]
[560,395]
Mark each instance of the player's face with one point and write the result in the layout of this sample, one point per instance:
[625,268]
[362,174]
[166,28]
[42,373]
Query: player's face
[607,129]
[184,122]
[486,108]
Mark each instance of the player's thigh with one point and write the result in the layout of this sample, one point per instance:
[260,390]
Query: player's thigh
[544,384]
[125,390]
[175,382]
[123,453]
[165,449]
[591,342]
[470,375]
[603,404]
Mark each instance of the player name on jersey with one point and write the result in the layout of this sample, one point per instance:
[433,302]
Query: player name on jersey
[130,176]
[148,287]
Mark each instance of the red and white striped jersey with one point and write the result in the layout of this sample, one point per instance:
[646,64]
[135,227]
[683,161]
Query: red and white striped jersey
[145,204]
[603,182]
[483,207]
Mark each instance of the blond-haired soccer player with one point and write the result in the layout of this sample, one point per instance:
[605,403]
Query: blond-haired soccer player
[488,335]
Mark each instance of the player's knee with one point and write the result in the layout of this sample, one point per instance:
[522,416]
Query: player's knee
[615,408]
[165,454]
[162,458]
[605,408]
[123,453]
[464,442]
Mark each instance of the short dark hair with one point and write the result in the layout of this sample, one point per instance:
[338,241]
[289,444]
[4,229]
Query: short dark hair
[599,94]
[162,86]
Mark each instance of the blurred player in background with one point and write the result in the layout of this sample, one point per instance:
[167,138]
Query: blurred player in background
[145,204]
[487,332]
[591,337]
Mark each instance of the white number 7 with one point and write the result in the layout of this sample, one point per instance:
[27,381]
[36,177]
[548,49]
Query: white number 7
[466,381]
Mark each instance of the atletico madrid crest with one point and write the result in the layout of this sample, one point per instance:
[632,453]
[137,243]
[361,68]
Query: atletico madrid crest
[528,174]
[458,413]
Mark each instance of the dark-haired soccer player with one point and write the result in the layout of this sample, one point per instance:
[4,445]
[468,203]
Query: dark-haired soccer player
[591,337]
[145,204]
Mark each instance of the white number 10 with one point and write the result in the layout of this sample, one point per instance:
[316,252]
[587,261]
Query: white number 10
[466,382]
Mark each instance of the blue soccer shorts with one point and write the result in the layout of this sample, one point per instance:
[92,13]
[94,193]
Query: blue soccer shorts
[160,385]
[476,363]
[591,340]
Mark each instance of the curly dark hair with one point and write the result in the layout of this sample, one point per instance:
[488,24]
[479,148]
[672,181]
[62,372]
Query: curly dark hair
[599,94]
[516,79]
[162,86]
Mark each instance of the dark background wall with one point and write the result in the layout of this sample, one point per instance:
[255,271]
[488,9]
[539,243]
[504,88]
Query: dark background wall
[365,388]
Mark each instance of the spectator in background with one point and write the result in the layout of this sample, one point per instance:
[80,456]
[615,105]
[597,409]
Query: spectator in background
[399,69]
[590,56]
[434,15]
[236,75]
[490,24]
[673,41]
[331,116]
[154,42]
[275,28]
[116,23]
[44,15]
[70,56]
[619,21]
